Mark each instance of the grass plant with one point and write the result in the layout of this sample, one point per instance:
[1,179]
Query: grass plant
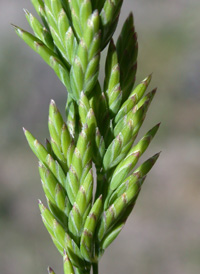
[88,167]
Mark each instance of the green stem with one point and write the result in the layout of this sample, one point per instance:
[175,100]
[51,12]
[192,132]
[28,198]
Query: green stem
[78,271]
[95,268]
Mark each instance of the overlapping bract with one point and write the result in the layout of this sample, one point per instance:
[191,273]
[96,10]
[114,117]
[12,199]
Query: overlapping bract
[87,168]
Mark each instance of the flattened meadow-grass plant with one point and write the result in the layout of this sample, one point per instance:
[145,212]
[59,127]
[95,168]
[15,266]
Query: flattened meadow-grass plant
[92,149]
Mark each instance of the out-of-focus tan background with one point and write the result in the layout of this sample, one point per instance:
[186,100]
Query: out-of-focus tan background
[163,233]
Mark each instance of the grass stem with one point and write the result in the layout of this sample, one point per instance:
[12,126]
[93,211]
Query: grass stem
[95,268]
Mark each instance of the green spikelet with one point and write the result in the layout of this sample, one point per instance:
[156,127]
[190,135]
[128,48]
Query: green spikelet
[99,105]
[43,155]
[48,56]
[71,116]
[68,268]
[61,239]
[98,148]
[61,31]
[125,131]
[115,230]
[57,199]
[135,115]
[119,147]
[113,213]
[84,71]
[36,147]
[55,230]
[109,19]
[112,86]
[52,188]
[111,236]
[39,7]
[81,158]
[56,169]
[61,141]
[133,99]
[124,186]
[138,175]
[40,32]
[84,108]
[87,239]
[146,166]
[125,166]
[88,165]
[127,50]
[83,200]
[81,11]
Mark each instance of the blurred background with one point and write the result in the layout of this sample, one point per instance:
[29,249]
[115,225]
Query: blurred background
[163,233]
